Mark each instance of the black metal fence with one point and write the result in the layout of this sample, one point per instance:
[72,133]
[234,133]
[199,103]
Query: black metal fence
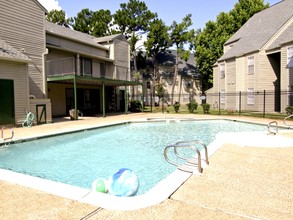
[258,102]
[241,103]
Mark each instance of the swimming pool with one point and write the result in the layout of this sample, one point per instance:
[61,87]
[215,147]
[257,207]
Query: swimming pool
[79,158]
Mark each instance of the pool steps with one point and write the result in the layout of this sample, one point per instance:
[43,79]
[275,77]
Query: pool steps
[192,163]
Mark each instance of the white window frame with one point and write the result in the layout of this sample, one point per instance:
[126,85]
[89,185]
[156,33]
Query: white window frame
[250,96]
[222,97]
[250,65]
[222,70]
[290,57]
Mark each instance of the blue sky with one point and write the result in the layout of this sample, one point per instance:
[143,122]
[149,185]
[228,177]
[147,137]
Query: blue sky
[168,10]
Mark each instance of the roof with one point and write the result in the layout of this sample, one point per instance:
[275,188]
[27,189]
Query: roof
[7,52]
[168,58]
[110,38]
[285,37]
[68,33]
[259,29]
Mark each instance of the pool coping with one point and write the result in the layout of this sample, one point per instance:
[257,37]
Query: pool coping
[162,191]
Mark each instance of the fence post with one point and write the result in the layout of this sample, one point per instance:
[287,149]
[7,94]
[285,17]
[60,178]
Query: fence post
[219,103]
[239,103]
[264,103]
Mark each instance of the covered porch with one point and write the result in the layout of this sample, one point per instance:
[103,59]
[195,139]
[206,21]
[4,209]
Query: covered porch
[110,94]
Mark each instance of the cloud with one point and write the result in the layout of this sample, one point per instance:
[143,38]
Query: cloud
[50,4]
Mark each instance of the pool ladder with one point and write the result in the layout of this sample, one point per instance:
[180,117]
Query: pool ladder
[192,163]
[3,139]
[276,126]
[286,118]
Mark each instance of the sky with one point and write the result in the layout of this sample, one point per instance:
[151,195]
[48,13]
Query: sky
[168,10]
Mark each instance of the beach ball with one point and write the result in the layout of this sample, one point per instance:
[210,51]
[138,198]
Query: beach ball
[100,185]
[123,183]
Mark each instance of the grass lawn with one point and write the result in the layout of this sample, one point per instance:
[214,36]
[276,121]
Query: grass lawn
[184,110]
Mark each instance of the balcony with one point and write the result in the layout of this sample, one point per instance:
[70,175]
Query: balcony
[61,67]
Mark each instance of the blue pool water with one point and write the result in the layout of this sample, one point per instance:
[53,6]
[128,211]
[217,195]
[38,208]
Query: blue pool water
[79,158]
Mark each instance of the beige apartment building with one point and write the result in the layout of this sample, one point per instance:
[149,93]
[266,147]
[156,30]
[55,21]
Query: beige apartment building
[49,70]
[257,60]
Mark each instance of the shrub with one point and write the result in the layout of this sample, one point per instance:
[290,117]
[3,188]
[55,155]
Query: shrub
[206,108]
[135,106]
[176,107]
[192,106]
[289,110]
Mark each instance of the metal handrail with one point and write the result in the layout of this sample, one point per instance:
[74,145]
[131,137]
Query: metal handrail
[269,127]
[284,120]
[189,161]
[194,142]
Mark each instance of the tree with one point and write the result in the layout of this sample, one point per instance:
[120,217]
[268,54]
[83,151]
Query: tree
[133,19]
[209,41]
[58,17]
[180,36]
[157,41]
[96,23]
[245,9]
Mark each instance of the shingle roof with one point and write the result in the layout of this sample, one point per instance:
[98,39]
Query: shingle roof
[285,37]
[72,34]
[259,29]
[7,52]
[168,59]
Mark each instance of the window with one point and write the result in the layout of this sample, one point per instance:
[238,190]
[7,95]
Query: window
[102,69]
[222,70]
[250,96]
[86,66]
[250,65]
[222,97]
[290,57]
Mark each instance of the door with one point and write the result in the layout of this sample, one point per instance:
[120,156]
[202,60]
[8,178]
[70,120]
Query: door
[6,102]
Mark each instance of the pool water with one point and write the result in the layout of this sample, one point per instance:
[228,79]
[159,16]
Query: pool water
[80,158]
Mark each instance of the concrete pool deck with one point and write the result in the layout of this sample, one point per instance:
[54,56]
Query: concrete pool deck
[243,181]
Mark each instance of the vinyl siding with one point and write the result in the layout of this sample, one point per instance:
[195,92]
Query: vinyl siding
[73,46]
[18,73]
[266,79]
[286,75]
[231,84]
[22,26]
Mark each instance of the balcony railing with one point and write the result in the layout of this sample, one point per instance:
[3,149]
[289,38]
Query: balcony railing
[60,67]
[68,66]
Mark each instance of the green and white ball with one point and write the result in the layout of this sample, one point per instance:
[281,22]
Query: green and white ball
[100,185]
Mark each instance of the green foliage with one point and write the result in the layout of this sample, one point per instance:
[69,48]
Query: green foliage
[135,106]
[180,35]
[157,40]
[209,41]
[192,106]
[206,108]
[289,110]
[96,23]
[58,17]
[133,16]
[136,76]
[160,90]
[176,107]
